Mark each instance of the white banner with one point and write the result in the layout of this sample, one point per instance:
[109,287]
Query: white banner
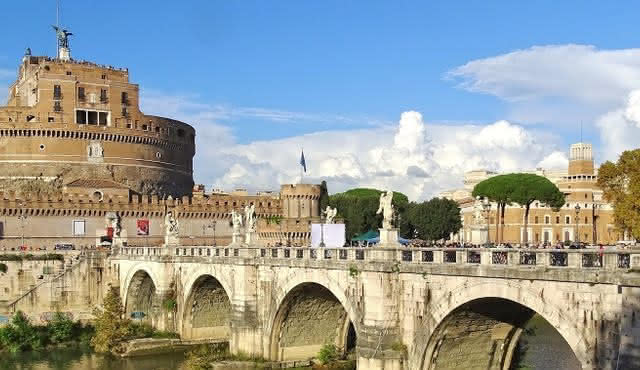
[333,235]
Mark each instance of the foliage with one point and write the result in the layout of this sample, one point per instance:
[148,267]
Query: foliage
[435,219]
[399,346]
[620,182]
[60,328]
[520,188]
[111,327]
[358,208]
[324,195]
[201,357]
[32,257]
[353,271]
[170,302]
[328,353]
[273,219]
[20,335]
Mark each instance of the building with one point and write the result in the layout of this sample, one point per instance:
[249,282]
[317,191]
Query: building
[586,216]
[81,164]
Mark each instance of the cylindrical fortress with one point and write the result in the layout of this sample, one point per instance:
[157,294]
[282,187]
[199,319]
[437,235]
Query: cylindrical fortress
[67,120]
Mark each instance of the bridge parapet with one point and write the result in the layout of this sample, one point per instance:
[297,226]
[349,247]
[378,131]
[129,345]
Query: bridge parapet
[436,260]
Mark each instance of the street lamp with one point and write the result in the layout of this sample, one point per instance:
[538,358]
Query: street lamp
[577,220]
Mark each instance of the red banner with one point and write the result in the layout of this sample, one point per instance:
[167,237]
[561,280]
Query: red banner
[142,227]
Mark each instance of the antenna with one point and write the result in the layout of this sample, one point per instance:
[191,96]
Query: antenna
[580,130]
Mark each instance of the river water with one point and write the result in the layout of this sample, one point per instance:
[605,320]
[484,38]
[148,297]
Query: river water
[540,347]
[85,359]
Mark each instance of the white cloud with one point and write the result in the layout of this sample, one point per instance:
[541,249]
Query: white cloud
[620,128]
[416,158]
[554,161]
[555,83]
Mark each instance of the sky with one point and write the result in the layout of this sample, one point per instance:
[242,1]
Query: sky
[404,95]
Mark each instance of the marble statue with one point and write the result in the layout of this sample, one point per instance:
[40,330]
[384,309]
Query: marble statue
[386,208]
[236,220]
[171,229]
[250,218]
[478,216]
[330,214]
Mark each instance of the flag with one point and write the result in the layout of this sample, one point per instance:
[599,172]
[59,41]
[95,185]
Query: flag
[302,162]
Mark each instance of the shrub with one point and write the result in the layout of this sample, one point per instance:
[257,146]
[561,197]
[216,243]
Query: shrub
[20,335]
[60,328]
[111,327]
[328,353]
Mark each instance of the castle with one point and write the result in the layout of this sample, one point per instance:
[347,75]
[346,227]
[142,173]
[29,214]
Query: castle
[81,164]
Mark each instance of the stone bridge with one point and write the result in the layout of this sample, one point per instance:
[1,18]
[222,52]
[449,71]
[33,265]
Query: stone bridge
[398,308]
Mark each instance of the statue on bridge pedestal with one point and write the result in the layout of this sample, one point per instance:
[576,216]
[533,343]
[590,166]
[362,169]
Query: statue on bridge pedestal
[236,222]
[330,214]
[171,229]
[386,208]
[250,223]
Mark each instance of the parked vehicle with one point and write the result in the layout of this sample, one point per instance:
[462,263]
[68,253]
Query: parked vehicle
[64,247]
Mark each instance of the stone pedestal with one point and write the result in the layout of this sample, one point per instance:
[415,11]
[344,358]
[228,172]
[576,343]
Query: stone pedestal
[236,238]
[479,234]
[389,238]
[251,238]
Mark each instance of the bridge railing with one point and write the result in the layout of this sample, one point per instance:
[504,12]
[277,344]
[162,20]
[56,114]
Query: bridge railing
[623,259]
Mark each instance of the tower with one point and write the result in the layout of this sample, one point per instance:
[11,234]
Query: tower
[581,159]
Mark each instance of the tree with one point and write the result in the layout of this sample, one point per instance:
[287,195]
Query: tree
[435,219]
[528,188]
[358,209]
[620,183]
[521,188]
[111,327]
[324,196]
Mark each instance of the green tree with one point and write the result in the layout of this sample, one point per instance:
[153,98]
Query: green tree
[620,182]
[20,334]
[435,219]
[60,328]
[358,209]
[111,327]
[528,188]
[324,196]
[498,190]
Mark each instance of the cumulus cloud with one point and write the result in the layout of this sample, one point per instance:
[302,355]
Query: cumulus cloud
[554,161]
[412,156]
[554,83]
[620,128]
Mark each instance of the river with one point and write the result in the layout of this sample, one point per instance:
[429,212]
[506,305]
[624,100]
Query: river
[540,347]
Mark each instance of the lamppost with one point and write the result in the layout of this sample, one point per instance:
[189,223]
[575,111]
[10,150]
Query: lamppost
[322,245]
[212,225]
[577,221]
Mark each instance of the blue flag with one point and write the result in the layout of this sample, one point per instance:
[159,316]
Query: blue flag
[302,162]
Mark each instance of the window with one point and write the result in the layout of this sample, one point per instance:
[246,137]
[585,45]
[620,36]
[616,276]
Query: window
[125,98]
[57,92]
[567,220]
[157,128]
[103,96]
[103,118]
[68,73]
[104,77]
[557,220]
[51,119]
[57,107]
[536,218]
[547,220]
[92,117]
[125,113]
[144,127]
[78,227]
[180,132]
[586,220]
[81,95]
[81,117]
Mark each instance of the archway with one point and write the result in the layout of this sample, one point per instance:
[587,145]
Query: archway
[309,317]
[207,311]
[141,297]
[484,334]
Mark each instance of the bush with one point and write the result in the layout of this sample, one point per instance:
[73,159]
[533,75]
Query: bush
[20,335]
[328,353]
[111,327]
[60,328]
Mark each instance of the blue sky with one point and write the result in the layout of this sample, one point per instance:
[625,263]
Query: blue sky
[265,70]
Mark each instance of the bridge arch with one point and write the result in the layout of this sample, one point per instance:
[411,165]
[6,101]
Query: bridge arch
[141,293]
[207,307]
[470,302]
[308,313]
